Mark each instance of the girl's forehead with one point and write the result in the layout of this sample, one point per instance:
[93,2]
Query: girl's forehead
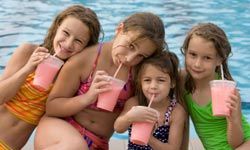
[133,35]
[199,44]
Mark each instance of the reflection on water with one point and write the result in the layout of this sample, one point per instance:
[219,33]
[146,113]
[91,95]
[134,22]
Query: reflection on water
[28,21]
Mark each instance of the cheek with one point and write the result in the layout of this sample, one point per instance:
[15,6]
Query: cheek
[56,39]
[143,86]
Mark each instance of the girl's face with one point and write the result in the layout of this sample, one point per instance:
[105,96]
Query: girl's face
[71,37]
[201,58]
[129,50]
[155,82]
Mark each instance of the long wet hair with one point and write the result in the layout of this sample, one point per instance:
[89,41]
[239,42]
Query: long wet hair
[150,26]
[166,62]
[217,36]
[84,14]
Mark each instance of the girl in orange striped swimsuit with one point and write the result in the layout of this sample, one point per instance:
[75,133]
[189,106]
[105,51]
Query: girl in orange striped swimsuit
[21,103]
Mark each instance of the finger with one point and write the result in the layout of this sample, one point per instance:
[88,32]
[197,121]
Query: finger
[101,73]
[100,78]
[41,49]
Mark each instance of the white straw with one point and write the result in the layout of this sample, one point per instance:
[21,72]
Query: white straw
[222,72]
[116,72]
[151,100]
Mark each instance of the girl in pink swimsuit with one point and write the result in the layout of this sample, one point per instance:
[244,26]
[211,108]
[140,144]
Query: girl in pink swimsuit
[74,94]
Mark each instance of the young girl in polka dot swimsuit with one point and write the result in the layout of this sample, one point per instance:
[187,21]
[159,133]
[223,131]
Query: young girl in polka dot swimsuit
[156,76]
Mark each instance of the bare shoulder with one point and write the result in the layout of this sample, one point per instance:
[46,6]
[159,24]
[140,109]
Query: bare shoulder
[27,48]
[82,61]
[133,101]
[179,112]
[85,56]
[19,58]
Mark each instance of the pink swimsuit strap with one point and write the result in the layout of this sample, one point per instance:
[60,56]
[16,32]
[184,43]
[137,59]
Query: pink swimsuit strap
[124,95]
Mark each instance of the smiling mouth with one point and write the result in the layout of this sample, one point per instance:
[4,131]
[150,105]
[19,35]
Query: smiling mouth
[195,71]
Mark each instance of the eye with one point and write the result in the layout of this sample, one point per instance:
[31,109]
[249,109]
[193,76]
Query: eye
[207,58]
[162,80]
[131,46]
[192,54]
[79,41]
[146,80]
[65,33]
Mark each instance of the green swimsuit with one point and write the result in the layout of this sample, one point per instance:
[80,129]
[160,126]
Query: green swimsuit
[211,130]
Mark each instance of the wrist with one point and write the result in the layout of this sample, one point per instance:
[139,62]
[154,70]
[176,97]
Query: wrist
[128,119]
[27,70]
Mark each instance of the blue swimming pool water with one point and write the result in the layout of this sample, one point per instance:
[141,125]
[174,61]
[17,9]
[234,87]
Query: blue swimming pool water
[27,21]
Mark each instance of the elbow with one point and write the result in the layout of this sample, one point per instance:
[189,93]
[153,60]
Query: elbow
[49,110]
[118,129]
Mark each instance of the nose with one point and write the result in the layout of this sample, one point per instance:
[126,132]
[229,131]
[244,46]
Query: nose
[153,84]
[68,43]
[130,57]
[198,62]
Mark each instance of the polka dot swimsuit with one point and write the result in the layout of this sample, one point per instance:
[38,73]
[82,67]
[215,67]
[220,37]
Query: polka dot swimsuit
[161,133]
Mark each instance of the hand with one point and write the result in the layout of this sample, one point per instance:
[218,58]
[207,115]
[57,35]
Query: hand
[36,58]
[234,104]
[100,84]
[143,113]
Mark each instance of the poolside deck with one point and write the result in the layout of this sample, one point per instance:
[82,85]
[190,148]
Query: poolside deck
[117,144]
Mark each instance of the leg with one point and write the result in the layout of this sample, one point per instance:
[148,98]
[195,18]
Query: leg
[57,134]
[244,146]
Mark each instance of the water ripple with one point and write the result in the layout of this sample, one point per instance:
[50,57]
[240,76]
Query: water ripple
[28,21]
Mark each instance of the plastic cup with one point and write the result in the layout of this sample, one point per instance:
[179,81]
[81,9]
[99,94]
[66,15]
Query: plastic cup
[107,100]
[220,91]
[46,72]
[140,132]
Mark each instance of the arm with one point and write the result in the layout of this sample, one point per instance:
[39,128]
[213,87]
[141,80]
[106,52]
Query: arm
[21,64]
[133,113]
[234,124]
[61,101]
[123,122]
[177,121]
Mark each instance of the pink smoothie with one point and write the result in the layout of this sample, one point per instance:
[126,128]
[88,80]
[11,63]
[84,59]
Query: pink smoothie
[46,72]
[220,91]
[141,132]
[107,100]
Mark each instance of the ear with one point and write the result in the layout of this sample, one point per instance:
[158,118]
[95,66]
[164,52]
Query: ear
[172,85]
[119,28]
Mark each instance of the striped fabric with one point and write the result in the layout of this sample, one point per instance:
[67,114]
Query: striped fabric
[29,102]
[4,146]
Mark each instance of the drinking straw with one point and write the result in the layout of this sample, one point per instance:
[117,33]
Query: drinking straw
[116,72]
[222,72]
[151,100]
[55,54]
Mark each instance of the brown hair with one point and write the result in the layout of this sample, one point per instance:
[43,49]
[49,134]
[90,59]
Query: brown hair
[217,36]
[168,63]
[150,26]
[86,15]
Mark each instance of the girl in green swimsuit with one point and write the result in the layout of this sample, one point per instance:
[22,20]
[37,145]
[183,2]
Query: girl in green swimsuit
[205,48]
